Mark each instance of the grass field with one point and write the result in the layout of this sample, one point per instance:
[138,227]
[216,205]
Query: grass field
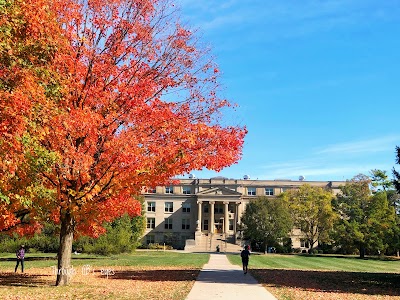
[142,275]
[138,259]
[292,277]
[153,275]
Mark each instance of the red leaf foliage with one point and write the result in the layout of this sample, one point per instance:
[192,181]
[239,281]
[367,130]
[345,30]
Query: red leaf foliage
[136,104]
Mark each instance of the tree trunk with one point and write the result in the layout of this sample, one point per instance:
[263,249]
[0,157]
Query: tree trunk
[312,243]
[64,270]
[362,251]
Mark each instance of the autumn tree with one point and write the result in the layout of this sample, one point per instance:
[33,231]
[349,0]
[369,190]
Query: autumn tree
[311,209]
[137,103]
[29,38]
[267,220]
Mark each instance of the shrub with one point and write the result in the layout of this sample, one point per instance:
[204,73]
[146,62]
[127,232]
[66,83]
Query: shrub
[123,235]
[11,243]
[157,246]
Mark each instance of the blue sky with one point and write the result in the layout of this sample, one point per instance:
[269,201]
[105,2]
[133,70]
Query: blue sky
[317,83]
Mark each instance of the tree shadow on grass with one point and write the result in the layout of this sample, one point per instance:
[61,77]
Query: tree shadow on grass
[23,279]
[156,275]
[351,257]
[329,281]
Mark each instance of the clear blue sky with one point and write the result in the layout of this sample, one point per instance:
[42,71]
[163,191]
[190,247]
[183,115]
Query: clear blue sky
[317,83]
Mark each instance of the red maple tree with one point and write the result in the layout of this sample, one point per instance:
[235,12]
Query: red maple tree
[135,104]
[29,37]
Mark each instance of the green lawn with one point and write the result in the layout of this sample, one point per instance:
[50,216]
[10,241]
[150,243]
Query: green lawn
[293,277]
[141,275]
[160,275]
[138,258]
[329,263]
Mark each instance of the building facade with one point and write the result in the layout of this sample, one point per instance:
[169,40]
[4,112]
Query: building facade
[196,207]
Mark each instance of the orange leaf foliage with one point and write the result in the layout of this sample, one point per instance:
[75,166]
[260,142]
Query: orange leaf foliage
[138,105]
[29,36]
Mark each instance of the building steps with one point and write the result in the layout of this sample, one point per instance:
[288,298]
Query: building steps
[209,243]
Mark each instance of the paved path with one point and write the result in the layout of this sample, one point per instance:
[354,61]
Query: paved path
[219,279]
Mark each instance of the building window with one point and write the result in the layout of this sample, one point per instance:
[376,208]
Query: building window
[205,208]
[169,207]
[269,191]
[205,225]
[168,223]
[185,224]
[231,224]
[151,206]
[304,243]
[187,190]
[219,208]
[150,239]
[231,207]
[251,191]
[151,190]
[186,207]
[151,223]
[169,190]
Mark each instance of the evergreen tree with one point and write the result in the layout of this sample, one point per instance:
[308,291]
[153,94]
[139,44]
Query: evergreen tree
[396,174]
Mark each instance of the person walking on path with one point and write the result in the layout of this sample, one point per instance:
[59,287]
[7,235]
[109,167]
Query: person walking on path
[20,258]
[245,254]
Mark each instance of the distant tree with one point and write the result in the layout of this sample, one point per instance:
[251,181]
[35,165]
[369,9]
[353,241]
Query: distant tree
[311,209]
[267,220]
[379,179]
[381,224]
[396,174]
[138,226]
[366,221]
[394,239]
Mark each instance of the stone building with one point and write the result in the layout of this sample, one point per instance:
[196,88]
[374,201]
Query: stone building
[203,213]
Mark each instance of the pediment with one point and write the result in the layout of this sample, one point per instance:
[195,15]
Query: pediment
[219,191]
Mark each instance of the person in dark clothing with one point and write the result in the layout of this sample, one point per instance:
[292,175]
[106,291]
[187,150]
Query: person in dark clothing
[20,258]
[245,254]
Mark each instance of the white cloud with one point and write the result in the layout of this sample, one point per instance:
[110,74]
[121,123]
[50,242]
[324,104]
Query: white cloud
[287,19]
[365,146]
[316,170]
[336,162]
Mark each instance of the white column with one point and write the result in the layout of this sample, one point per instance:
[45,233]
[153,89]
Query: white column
[236,217]
[226,217]
[212,216]
[199,207]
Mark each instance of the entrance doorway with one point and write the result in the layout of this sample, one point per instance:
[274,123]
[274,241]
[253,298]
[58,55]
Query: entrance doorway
[218,227]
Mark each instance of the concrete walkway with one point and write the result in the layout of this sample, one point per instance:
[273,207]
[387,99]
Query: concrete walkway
[219,279]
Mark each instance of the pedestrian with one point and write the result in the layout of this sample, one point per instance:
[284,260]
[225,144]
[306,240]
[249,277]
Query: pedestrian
[20,258]
[245,254]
